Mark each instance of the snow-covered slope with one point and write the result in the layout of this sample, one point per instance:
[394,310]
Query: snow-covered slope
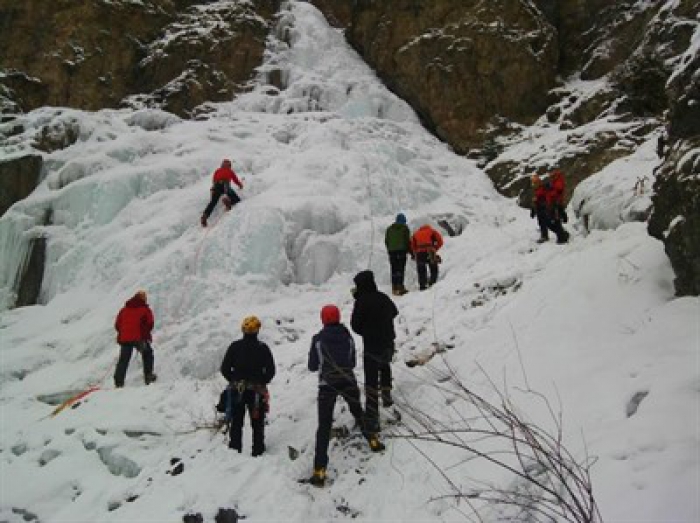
[326,164]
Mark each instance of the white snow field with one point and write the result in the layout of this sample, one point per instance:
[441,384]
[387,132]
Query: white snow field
[326,165]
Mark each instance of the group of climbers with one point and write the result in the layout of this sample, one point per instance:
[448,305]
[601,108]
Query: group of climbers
[248,365]
[422,247]
[548,206]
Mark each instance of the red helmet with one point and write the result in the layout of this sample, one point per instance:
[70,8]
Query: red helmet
[330,314]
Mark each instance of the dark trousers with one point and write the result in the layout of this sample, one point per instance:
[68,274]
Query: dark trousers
[327,394]
[397,262]
[377,375]
[254,403]
[425,261]
[550,221]
[125,356]
[217,191]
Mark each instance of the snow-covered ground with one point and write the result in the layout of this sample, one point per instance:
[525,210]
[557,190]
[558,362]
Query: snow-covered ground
[326,164]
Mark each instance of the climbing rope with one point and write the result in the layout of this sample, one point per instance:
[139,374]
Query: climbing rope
[371,215]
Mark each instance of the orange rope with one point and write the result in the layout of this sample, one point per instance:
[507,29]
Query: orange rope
[73,400]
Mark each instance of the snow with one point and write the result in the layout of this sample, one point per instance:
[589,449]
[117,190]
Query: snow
[326,164]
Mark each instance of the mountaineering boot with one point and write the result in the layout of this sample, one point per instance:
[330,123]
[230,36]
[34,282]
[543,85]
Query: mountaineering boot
[402,290]
[564,238]
[203,221]
[150,378]
[387,401]
[374,444]
[395,290]
[318,478]
[227,202]
[543,239]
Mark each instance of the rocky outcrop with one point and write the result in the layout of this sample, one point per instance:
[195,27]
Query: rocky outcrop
[675,219]
[462,64]
[637,47]
[32,274]
[173,54]
[18,178]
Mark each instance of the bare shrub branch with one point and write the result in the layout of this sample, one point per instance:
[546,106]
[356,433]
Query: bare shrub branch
[548,483]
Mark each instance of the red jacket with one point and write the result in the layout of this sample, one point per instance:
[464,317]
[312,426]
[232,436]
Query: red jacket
[556,193]
[134,322]
[540,197]
[226,174]
[426,239]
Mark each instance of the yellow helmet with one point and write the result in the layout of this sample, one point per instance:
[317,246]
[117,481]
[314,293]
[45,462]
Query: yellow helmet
[251,325]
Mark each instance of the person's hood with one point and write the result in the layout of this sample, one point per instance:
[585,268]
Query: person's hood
[135,302]
[364,282]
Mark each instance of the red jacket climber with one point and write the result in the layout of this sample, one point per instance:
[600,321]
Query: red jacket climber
[558,185]
[424,244]
[135,320]
[221,186]
[426,239]
[225,174]
[134,324]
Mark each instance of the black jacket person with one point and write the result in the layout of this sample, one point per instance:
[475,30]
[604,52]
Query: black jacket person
[373,319]
[248,367]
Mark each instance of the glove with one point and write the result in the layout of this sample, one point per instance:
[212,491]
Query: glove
[532,212]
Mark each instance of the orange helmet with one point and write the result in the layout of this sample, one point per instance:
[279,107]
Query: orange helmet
[251,325]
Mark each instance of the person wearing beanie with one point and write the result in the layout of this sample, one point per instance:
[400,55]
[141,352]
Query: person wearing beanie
[398,244]
[134,324]
[332,354]
[248,367]
[373,319]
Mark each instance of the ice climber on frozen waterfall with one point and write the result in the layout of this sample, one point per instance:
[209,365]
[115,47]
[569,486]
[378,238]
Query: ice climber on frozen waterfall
[222,179]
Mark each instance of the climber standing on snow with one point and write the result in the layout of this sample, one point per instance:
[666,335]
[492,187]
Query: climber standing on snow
[546,203]
[134,324]
[425,243]
[373,319]
[557,195]
[248,367]
[221,186]
[539,207]
[333,354]
[398,244]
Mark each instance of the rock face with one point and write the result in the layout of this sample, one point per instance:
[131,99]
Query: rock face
[18,178]
[675,219]
[476,72]
[462,64]
[158,53]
